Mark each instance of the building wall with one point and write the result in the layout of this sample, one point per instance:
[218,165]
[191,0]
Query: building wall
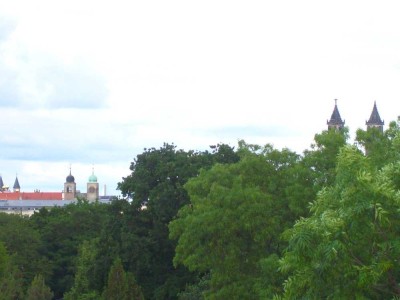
[92,193]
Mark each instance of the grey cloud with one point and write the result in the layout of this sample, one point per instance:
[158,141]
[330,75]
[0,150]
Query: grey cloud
[56,150]
[68,135]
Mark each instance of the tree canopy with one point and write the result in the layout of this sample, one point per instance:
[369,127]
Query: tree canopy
[252,222]
[349,246]
[235,217]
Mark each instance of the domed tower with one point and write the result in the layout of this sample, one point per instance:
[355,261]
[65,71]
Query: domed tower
[336,121]
[375,120]
[69,187]
[92,188]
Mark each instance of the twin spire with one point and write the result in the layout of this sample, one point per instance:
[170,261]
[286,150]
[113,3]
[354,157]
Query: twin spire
[374,121]
[336,121]
[16,186]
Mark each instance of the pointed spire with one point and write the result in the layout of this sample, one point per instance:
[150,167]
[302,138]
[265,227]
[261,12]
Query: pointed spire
[16,186]
[1,183]
[375,119]
[336,121]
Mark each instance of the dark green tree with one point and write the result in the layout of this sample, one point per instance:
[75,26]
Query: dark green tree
[63,230]
[11,280]
[196,291]
[224,154]
[4,259]
[25,244]
[156,187]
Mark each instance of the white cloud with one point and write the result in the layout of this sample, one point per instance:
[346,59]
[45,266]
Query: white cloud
[97,81]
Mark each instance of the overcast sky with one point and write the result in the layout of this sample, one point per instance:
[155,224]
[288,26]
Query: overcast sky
[92,83]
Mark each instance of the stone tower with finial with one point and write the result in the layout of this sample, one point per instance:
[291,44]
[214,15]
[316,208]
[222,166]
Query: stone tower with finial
[69,187]
[375,120]
[336,121]
[92,193]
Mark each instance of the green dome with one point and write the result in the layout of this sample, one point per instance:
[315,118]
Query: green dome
[93,178]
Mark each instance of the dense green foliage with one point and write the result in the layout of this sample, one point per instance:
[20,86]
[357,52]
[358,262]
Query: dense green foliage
[321,159]
[349,246]
[250,223]
[62,231]
[156,186]
[236,215]
[381,148]
[85,265]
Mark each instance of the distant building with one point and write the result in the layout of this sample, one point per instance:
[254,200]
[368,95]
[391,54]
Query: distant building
[29,202]
[92,190]
[28,207]
[69,187]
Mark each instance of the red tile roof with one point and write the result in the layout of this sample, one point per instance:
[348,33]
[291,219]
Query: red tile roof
[31,196]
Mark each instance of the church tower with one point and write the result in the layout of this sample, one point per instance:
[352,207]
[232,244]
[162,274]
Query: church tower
[16,187]
[375,120]
[92,193]
[336,121]
[69,187]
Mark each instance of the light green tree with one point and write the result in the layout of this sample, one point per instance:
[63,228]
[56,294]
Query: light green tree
[322,157]
[349,247]
[81,290]
[38,290]
[236,215]
[381,147]
[121,285]
[11,283]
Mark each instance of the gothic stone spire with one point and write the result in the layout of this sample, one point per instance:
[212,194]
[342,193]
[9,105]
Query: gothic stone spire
[375,120]
[336,121]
